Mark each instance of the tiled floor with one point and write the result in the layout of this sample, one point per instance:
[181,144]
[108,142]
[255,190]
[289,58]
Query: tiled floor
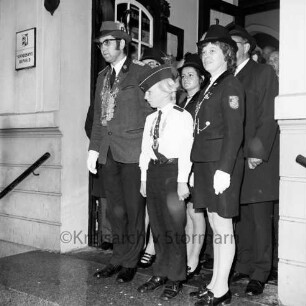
[43,278]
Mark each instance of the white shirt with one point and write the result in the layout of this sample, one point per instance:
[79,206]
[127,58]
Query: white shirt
[239,67]
[119,65]
[175,140]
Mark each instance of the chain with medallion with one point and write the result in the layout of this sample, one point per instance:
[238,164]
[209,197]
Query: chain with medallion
[196,124]
[207,94]
[108,98]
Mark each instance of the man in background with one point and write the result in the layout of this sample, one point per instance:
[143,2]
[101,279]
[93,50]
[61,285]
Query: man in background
[260,186]
[266,51]
[273,60]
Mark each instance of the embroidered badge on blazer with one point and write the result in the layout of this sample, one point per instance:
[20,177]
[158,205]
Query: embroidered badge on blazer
[233,102]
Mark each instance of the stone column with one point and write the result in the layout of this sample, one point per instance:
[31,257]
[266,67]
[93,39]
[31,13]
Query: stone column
[290,111]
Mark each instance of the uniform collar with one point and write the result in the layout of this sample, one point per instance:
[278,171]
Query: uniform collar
[165,109]
[213,79]
[119,65]
[216,80]
[126,65]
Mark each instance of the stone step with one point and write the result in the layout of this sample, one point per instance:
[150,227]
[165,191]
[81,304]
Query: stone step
[9,248]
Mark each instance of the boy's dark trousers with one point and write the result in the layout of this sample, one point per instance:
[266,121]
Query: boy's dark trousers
[168,219]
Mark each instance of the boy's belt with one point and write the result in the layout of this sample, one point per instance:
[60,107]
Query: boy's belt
[164,162]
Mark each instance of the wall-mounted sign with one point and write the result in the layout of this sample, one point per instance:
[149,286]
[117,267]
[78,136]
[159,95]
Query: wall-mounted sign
[26,49]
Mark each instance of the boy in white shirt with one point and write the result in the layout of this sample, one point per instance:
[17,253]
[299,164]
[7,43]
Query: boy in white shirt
[165,166]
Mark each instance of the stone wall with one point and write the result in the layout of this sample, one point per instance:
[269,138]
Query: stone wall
[43,109]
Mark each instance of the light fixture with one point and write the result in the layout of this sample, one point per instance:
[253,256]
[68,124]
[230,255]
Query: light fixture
[51,5]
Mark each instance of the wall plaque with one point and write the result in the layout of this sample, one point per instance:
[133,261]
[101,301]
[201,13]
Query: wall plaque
[25,49]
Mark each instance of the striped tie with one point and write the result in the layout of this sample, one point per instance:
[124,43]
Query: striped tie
[156,130]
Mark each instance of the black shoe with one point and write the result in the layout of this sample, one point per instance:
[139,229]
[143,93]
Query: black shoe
[106,246]
[273,277]
[254,287]
[108,271]
[153,283]
[200,294]
[146,260]
[126,275]
[171,290]
[196,271]
[211,300]
[208,264]
[237,276]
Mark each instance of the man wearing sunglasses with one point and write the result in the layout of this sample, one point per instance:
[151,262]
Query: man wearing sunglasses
[119,116]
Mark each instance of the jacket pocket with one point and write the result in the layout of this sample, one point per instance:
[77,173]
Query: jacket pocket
[134,131]
[131,86]
[214,137]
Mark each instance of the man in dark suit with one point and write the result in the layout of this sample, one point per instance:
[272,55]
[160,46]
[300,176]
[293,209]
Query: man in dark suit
[119,116]
[261,175]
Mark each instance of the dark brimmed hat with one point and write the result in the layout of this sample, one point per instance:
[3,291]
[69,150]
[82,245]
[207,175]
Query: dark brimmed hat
[193,60]
[215,33]
[155,54]
[155,75]
[114,28]
[236,30]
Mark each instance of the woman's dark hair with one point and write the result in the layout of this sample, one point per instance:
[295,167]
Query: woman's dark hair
[196,69]
[229,54]
[198,74]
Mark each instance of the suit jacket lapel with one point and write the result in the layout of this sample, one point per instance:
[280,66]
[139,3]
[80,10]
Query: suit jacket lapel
[194,99]
[211,89]
[245,70]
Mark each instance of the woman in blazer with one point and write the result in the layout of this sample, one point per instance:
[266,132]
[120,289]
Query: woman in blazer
[217,156]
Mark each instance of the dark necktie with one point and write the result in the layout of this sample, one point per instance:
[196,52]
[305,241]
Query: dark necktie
[156,130]
[112,78]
